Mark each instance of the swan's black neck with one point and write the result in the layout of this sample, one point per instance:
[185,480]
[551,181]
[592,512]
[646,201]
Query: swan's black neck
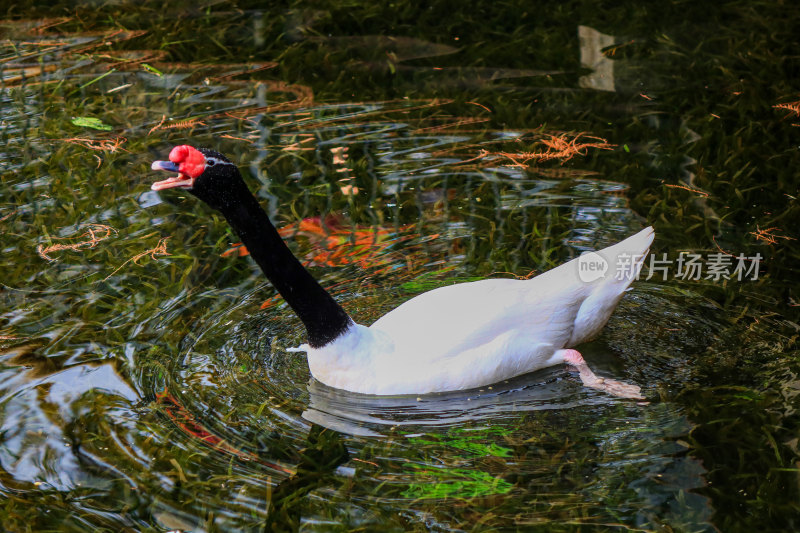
[323,318]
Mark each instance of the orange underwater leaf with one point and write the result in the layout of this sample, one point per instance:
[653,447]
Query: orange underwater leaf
[768,235]
[334,244]
[89,239]
[561,146]
[190,426]
[238,249]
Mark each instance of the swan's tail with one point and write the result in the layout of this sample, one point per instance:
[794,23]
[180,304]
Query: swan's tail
[608,272]
[625,259]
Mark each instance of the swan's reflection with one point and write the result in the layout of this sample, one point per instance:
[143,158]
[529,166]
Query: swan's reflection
[369,415]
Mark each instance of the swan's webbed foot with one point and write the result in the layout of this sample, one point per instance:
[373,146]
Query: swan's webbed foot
[591,380]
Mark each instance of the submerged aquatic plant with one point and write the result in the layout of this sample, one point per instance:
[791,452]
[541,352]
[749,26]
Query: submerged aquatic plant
[703,106]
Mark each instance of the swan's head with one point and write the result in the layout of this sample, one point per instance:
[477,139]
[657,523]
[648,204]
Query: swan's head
[207,174]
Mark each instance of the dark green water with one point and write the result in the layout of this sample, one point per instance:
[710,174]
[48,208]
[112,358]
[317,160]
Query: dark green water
[145,383]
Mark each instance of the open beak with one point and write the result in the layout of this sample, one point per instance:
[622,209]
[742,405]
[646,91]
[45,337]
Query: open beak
[181,180]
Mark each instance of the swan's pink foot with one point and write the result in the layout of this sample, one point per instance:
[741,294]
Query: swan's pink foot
[573,357]
[591,380]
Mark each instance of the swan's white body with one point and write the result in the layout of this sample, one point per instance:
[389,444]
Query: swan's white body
[473,334]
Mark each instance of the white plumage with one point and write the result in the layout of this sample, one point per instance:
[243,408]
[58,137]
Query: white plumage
[473,334]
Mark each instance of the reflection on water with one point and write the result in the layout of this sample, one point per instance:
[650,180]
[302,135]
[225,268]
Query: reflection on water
[366,415]
[145,380]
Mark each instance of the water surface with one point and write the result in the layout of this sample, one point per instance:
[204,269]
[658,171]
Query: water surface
[145,381]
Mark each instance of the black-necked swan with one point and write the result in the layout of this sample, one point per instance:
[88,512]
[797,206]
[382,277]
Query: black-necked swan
[452,338]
